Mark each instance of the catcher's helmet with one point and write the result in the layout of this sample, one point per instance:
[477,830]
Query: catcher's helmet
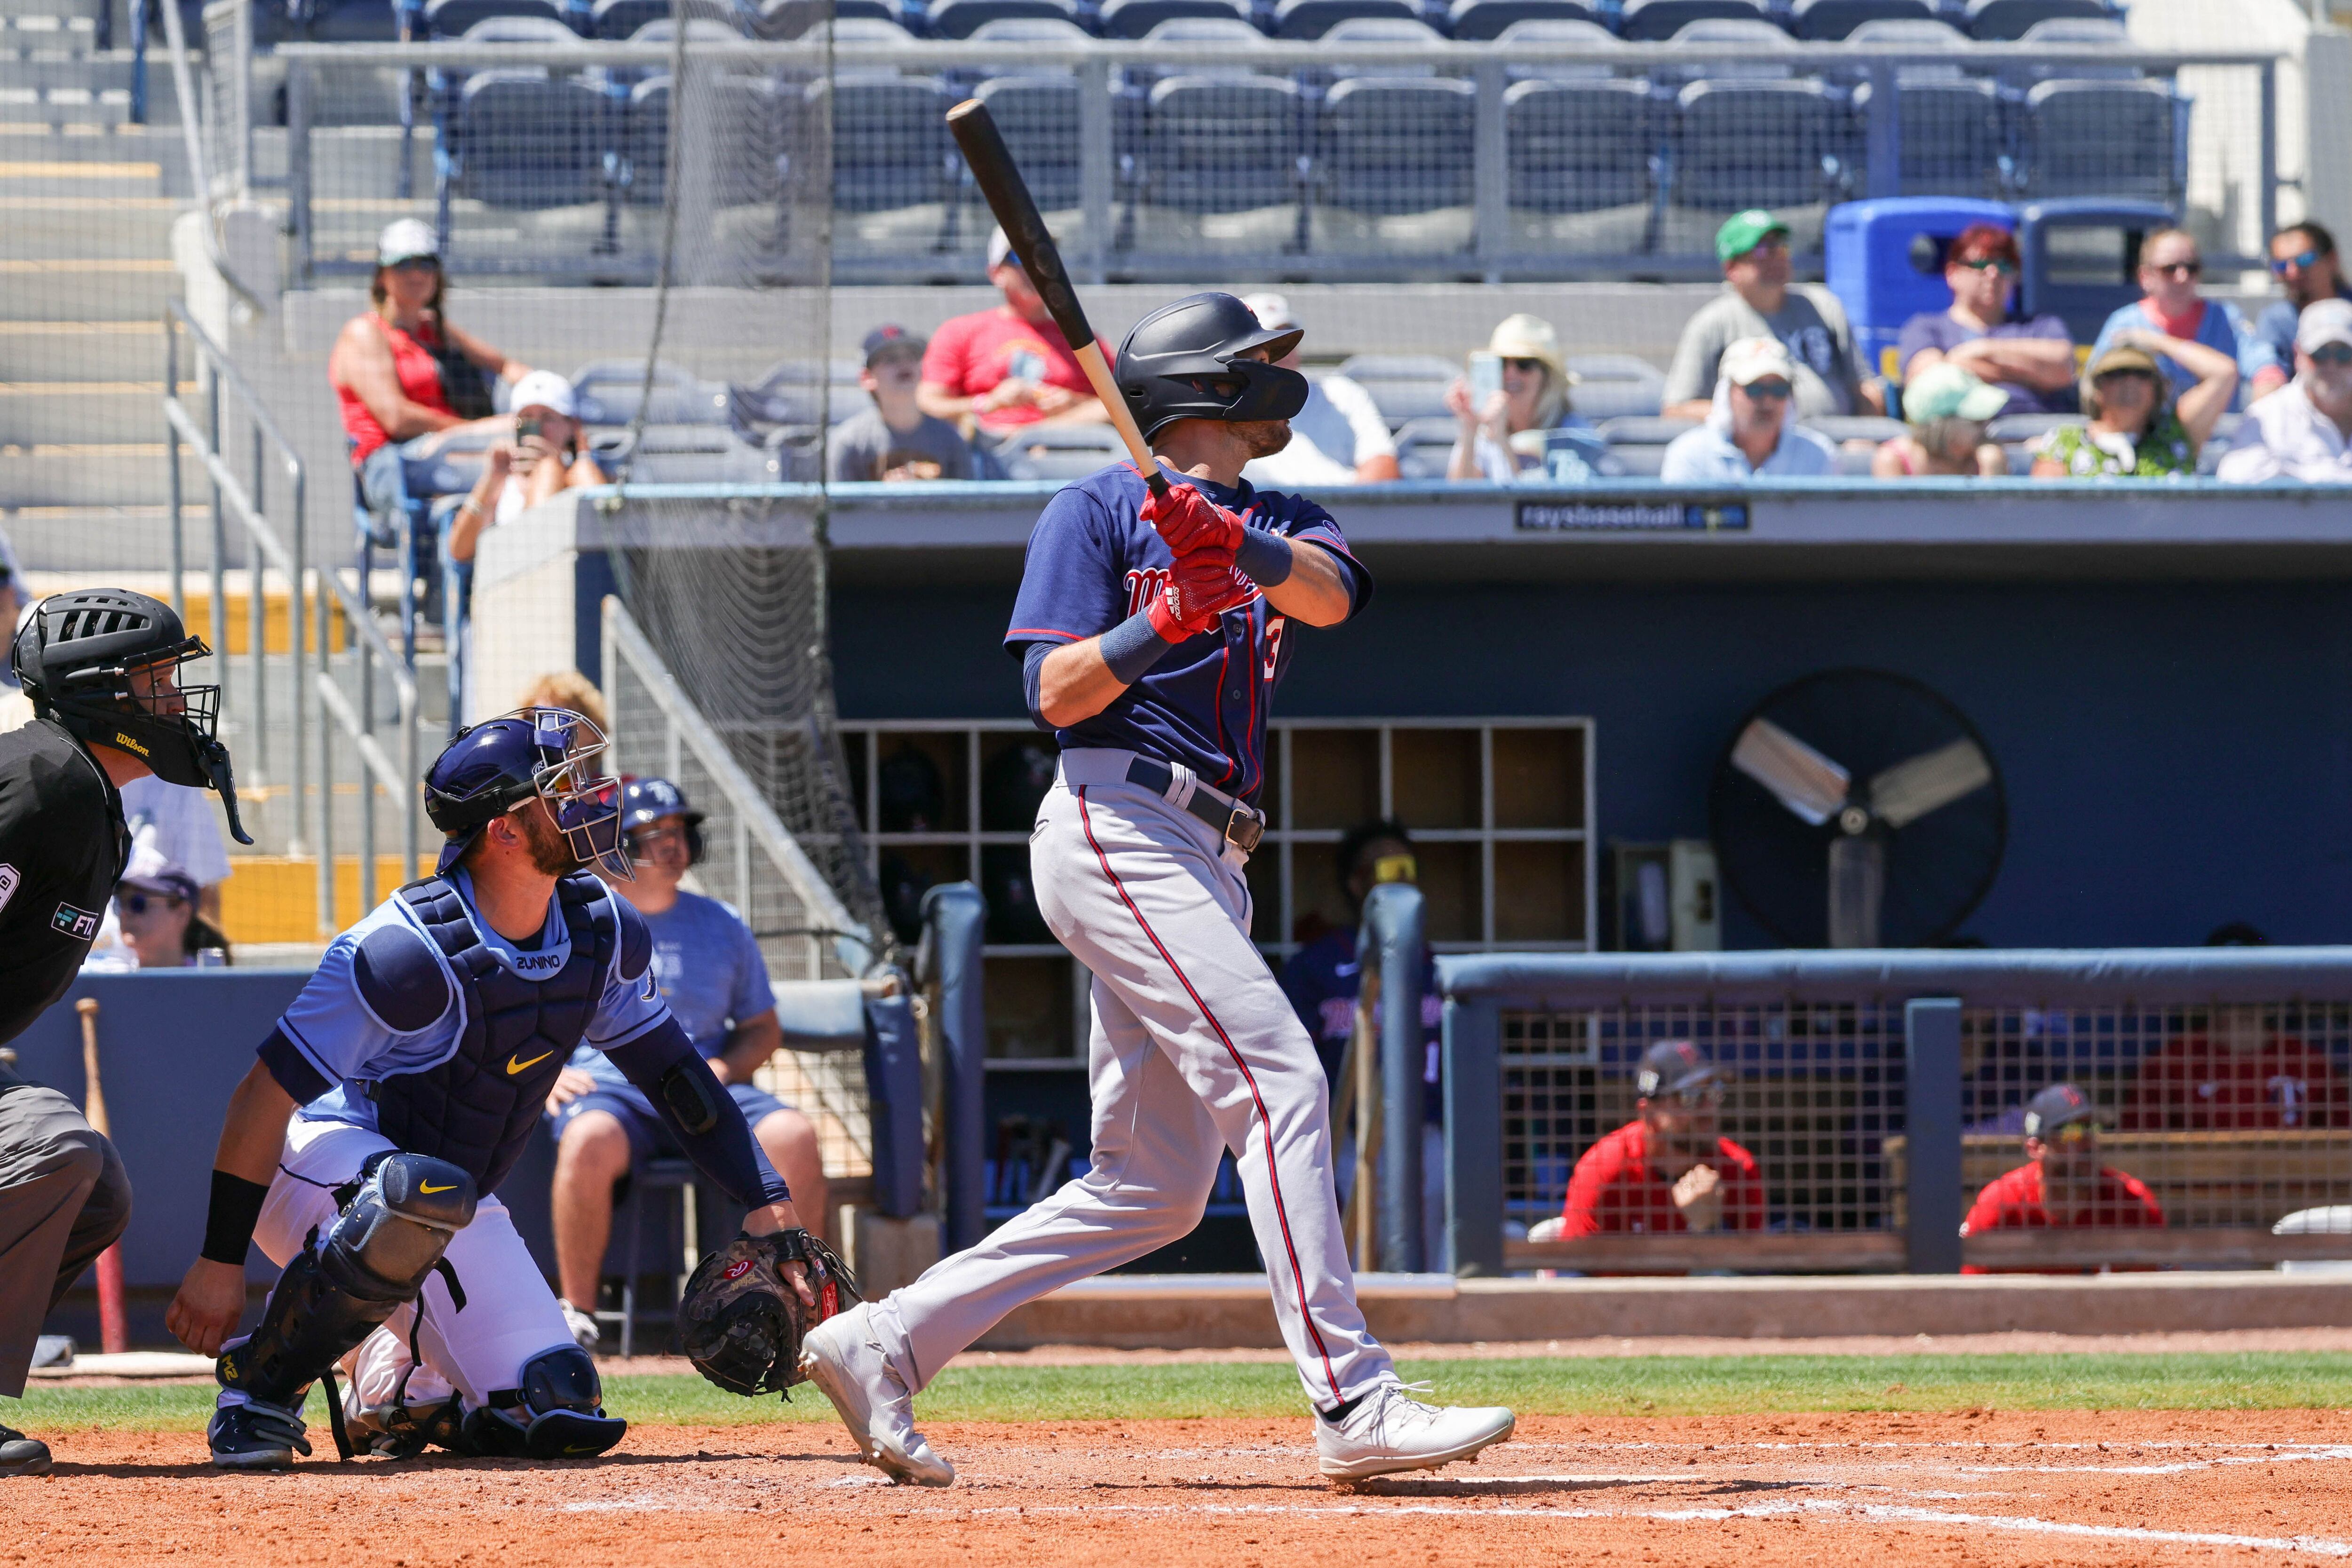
[645,801]
[1183,361]
[546,754]
[104,663]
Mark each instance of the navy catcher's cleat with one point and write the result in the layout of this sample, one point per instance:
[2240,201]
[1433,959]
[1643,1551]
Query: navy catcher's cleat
[256,1437]
[22,1455]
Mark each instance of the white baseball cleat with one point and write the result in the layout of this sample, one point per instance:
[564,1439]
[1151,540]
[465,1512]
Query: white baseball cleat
[585,1330]
[846,1363]
[1389,1431]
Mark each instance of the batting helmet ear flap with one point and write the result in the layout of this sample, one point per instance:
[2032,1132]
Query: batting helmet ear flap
[695,844]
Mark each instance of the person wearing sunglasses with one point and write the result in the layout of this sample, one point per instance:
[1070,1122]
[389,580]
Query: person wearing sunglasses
[155,906]
[2061,1185]
[1751,426]
[2304,260]
[2170,306]
[1759,300]
[2031,362]
[2303,431]
[1671,1168]
[2135,428]
[1516,428]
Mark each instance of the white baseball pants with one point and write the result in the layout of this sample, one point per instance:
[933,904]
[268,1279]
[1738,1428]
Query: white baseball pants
[1195,1050]
[510,1313]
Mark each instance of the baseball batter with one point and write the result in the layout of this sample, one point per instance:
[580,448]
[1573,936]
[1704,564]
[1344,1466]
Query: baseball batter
[1152,635]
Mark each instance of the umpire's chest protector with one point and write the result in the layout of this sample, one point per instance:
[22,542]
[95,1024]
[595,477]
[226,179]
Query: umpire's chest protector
[476,1108]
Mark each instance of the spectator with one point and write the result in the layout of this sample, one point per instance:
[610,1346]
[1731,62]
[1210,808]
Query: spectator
[406,377]
[182,825]
[1000,370]
[1946,409]
[2170,307]
[567,689]
[2235,1074]
[2135,428]
[1669,1169]
[1338,438]
[894,439]
[1759,302]
[1527,418]
[2062,1184]
[1751,427]
[2304,260]
[156,903]
[2303,431]
[2031,362]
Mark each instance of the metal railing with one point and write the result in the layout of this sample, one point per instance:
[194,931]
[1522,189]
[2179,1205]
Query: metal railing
[1381,1083]
[403,782]
[1880,1091]
[193,135]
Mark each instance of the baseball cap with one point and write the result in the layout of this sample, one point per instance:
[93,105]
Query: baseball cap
[1672,1066]
[404,239]
[892,339]
[2054,1107]
[2324,321]
[1000,250]
[1950,392]
[1743,232]
[150,872]
[1272,310]
[545,389]
[1751,360]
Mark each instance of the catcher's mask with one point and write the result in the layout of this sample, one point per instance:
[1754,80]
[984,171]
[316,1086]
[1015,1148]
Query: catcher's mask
[543,753]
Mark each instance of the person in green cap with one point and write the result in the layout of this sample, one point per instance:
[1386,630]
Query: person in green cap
[1946,409]
[1757,301]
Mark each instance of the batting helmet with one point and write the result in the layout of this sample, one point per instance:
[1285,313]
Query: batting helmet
[104,663]
[645,801]
[1183,361]
[535,753]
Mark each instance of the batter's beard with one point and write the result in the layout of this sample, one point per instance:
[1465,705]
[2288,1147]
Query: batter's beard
[1264,437]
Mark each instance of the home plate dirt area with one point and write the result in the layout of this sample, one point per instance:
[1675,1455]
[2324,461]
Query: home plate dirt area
[1974,1487]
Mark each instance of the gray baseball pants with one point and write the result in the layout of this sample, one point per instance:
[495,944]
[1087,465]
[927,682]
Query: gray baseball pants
[64,1199]
[1195,1050]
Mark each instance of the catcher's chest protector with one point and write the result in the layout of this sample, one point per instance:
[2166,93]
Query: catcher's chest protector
[477,1109]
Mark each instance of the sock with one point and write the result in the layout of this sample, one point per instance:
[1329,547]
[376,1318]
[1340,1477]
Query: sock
[1339,1413]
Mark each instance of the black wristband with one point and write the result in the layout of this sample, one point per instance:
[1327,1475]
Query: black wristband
[228,1223]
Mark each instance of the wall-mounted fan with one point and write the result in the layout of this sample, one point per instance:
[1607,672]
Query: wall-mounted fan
[1858,809]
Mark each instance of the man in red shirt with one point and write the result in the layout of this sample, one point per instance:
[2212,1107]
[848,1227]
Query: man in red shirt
[1008,366]
[2061,1185]
[1669,1169]
[2235,1075]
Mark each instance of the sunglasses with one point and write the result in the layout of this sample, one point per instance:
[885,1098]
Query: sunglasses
[1991,264]
[1517,363]
[1770,389]
[2177,269]
[2072,1134]
[140,903]
[2300,262]
[2332,354]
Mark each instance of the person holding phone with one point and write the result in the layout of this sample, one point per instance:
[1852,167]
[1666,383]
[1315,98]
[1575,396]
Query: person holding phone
[1512,413]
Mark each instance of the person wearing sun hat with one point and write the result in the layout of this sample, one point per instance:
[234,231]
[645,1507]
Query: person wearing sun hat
[1522,426]
[2136,428]
[1948,409]
[1760,301]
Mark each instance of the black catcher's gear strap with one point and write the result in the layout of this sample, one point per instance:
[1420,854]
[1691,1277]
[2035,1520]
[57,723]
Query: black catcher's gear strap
[741,1321]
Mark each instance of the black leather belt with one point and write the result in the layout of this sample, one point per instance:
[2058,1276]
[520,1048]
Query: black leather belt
[1240,826]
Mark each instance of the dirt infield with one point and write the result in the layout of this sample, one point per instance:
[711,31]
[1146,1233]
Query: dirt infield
[2140,1487]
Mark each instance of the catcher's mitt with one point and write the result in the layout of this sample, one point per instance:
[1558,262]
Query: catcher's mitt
[740,1318]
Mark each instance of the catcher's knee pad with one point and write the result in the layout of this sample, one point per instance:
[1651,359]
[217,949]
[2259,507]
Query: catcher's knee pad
[378,1254]
[556,1412]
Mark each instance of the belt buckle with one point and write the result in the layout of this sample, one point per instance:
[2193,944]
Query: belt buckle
[1244,827]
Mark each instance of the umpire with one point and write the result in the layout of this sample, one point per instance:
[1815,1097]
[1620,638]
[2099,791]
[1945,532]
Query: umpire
[101,668]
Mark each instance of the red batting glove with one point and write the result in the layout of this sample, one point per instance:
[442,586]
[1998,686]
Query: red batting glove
[1202,587]
[1188,520]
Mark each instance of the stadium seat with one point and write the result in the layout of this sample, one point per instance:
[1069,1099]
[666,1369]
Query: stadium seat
[1211,34]
[451,18]
[889,141]
[1387,144]
[335,22]
[1039,117]
[1060,450]
[2003,21]
[1214,144]
[1954,130]
[2098,31]
[957,18]
[1137,18]
[613,20]
[785,19]
[866,27]
[698,30]
[1483,21]
[608,392]
[519,30]
[749,175]
[1387,31]
[1313,18]
[1580,146]
[1615,386]
[1028,30]
[1908,35]
[1588,37]
[1740,144]
[1423,445]
[1838,18]
[2101,139]
[1654,21]
[1759,50]
[867,11]
[1404,387]
[524,138]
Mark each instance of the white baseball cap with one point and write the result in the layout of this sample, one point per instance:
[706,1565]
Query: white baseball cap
[1000,250]
[1272,310]
[1751,360]
[404,239]
[2324,321]
[545,389]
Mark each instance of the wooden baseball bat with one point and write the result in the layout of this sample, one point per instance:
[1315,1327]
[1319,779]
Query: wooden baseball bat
[1000,181]
[113,1324]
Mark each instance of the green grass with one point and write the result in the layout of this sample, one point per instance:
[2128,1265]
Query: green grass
[1649,1386]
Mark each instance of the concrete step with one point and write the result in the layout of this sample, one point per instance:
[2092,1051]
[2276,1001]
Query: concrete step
[52,414]
[109,228]
[102,350]
[47,33]
[114,289]
[103,474]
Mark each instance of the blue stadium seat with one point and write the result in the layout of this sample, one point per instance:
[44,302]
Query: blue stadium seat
[332,22]
[1654,21]
[751,173]
[1903,35]
[451,18]
[2008,20]
[1742,143]
[889,141]
[1483,21]
[957,18]
[1136,18]
[1386,31]
[1587,37]
[1313,18]
[1210,34]
[785,19]
[519,30]
[1838,18]
[1955,132]
[615,20]
[1580,146]
[698,30]
[1039,117]
[884,11]
[1216,144]
[1615,386]
[2102,139]
[1387,144]
[1404,387]
[1423,445]
[866,27]
[524,138]
[1028,30]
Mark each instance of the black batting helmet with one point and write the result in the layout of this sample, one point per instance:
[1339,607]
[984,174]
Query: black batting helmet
[1183,361]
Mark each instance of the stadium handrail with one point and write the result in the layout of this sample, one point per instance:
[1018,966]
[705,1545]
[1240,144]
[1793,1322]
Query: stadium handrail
[400,780]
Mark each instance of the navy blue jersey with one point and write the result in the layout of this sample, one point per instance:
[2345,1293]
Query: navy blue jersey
[1094,561]
[1322,980]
